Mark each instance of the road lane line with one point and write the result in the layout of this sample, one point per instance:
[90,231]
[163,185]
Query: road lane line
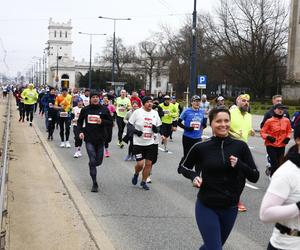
[251,186]
[161,149]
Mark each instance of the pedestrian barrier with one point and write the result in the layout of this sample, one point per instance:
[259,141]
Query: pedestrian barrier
[3,176]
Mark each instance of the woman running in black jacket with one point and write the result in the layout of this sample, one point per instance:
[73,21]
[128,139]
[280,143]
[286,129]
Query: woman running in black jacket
[222,165]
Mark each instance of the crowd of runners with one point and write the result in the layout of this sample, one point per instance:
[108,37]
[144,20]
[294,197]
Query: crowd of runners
[218,166]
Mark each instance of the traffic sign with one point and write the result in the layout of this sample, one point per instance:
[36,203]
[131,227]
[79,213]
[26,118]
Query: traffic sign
[202,80]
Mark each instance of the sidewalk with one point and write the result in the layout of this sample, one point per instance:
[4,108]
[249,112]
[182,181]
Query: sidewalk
[40,212]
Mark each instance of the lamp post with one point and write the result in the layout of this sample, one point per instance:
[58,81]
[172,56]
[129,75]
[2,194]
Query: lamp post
[114,42]
[193,54]
[90,66]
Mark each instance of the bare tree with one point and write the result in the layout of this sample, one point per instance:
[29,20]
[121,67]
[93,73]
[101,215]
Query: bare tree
[251,38]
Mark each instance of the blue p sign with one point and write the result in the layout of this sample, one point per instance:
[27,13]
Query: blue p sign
[202,79]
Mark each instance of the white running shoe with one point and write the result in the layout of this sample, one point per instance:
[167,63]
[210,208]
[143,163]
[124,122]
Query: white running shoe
[79,153]
[76,154]
[62,144]
[149,180]
[68,145]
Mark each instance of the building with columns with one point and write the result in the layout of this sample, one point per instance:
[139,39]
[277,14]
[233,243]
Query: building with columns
[292,90]
[65,71]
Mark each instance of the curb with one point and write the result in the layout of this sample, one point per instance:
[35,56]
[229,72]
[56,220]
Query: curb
[97,233]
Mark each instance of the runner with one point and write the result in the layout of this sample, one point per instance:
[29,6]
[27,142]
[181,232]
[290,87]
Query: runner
[112,111]
[143,124]
[130,156]
[122,105]
[63,105]
[276,133]
[169,114]
[135,98]
[276,99]
[241,126]
[86,97]
[49,102]
[96,118]
[75,115]
[175,120]
[220,161]
[30,97]
[192,121]
[205,106]
[281,203]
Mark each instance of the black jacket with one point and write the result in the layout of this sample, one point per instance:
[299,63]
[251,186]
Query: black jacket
[222,184]
[94,133]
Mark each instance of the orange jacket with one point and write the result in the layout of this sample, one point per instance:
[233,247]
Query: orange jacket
[279,128]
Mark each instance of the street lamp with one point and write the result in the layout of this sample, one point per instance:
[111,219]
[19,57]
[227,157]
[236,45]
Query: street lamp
[114,42]
[193,54]
[90,67]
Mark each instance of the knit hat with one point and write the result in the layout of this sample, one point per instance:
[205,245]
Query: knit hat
[92,93]
[146,99]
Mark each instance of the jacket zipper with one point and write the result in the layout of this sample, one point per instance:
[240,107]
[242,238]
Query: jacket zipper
[222,151]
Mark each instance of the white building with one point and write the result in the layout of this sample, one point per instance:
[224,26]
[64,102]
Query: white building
[64,71]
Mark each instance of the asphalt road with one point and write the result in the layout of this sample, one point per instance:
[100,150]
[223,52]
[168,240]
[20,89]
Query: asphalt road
[162,218]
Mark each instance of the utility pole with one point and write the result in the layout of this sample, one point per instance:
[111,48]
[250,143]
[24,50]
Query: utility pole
[193,54]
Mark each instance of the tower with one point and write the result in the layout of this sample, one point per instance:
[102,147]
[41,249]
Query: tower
[61,71]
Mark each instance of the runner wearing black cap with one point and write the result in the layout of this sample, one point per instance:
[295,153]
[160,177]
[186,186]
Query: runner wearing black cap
[96,117]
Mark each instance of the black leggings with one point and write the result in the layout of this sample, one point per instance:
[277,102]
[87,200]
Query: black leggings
[109,136]
[121,126]
[276,157]
[187,143]
[95,153]
[52,118]
[29,111]
[21,110]
[78,141]
[64,124]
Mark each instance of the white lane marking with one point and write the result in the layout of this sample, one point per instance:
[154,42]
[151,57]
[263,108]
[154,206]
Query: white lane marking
[251,186]
[161,149]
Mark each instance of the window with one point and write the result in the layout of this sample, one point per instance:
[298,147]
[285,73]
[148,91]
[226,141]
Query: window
[66,34]
[60,34]
[158,84]
[54,33]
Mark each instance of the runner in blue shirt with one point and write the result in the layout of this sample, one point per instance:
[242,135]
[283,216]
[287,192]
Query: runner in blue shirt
[191,120]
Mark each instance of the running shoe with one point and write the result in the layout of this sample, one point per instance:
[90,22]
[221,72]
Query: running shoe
[76,154]
[120,144]
[79,153]
[165,149]
[30,124]
[27,119]
[148,180]
[127,158]
[134,179]
[62,144]
[68,145]
[241,207]
[144,185]
[132,158]
[94,188]
[106,153]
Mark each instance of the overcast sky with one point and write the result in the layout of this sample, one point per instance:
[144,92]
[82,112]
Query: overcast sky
[24,24]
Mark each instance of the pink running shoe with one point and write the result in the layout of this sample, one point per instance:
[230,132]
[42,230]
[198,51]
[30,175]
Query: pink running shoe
[106,153]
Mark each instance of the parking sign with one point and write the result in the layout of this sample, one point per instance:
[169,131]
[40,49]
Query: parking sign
[202,80]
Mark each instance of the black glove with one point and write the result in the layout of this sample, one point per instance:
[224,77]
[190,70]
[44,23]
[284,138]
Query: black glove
[271,139]
[154,129]
[286,140]
[138,133]
[190,129]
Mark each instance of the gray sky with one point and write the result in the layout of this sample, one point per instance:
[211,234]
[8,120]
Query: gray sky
[24,24]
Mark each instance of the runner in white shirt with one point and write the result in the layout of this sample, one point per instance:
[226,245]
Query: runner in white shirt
[144,123]
[75,115]
[86,97]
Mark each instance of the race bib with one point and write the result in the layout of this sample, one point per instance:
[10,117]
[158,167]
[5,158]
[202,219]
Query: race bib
[93,119]
[196,125]
[49,119]
[122,109]
[166,112]
[63,114]
[30,94]
[147,136]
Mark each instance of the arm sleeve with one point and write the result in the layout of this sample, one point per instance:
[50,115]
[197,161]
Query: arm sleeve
[180,123]
[273,210]
[187,164]
[247,165]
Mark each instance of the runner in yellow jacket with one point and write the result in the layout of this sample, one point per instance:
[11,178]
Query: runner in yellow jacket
[30,97]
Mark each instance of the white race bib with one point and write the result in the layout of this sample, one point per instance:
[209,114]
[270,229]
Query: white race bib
[195,124]
[93,119]
[63,114]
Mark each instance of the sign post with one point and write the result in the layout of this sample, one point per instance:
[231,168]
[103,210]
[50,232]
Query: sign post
[201,83]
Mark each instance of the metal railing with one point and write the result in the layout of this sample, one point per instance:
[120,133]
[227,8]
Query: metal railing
[3,175]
